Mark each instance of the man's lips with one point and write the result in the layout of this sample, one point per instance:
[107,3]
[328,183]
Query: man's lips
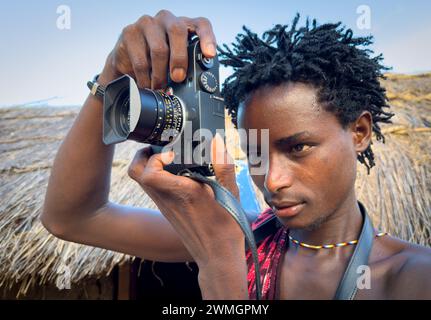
[288,209]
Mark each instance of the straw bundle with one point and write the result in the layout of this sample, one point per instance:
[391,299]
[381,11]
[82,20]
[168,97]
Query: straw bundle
[30,255]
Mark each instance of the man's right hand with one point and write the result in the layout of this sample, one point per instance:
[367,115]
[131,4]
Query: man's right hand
[153,46]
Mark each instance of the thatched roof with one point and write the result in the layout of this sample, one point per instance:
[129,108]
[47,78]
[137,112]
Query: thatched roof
[29,254]
[397,192]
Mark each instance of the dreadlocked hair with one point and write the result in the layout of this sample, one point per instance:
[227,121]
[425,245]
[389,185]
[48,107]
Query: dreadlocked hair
[326,56]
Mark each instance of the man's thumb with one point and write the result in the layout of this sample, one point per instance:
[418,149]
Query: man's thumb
[224,166]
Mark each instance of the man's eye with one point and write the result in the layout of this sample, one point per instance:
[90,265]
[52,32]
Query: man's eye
[301,148]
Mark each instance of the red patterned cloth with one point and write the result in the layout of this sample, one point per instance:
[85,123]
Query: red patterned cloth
[269,251]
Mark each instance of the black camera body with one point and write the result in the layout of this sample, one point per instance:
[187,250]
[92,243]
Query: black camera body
[179,118]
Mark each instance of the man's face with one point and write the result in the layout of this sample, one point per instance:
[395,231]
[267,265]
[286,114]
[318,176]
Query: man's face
[311,159]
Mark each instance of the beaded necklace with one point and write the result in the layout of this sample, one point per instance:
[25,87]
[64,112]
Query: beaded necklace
[330,246]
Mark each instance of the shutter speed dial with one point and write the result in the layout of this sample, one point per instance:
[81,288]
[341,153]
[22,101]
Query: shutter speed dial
[208,82]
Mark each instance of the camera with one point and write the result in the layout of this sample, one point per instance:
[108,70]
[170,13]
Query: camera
[183,117]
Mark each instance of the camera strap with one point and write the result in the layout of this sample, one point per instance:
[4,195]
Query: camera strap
[228,201]
[348,287]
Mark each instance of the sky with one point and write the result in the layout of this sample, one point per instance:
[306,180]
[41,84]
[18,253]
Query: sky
[41,62]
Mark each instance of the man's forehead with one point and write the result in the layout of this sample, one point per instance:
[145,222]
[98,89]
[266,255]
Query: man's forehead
[288,104]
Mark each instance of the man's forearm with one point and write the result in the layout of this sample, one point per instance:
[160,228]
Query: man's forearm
[81,171]
[225,278]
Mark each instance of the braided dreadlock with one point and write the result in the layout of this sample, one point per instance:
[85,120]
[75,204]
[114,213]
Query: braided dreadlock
[326,56]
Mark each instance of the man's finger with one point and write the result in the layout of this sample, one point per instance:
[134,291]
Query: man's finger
[224,166]
[202,27]
[177,34]
[139,162]
[148,169]
[159,160]
[138,56]
[154,176]
[158,47]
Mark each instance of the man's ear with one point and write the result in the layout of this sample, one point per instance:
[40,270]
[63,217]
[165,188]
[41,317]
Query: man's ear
[362,131]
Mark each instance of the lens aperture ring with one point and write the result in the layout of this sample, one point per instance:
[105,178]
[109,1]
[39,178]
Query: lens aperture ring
[169,120]
[174,118]
[179,115]
[158,128]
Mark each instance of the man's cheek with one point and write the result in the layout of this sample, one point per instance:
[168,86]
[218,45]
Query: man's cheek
[339,173]
[329,176]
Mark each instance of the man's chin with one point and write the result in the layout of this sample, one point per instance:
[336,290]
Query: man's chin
[302,222]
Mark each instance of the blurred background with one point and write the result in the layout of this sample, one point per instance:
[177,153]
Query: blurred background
[50,49]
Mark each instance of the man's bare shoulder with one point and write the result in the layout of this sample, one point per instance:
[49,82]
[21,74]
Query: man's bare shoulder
[409,278]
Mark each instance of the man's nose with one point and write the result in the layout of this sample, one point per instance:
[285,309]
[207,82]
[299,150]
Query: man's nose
[278,176]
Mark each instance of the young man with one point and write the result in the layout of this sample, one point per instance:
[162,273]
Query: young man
[318,94]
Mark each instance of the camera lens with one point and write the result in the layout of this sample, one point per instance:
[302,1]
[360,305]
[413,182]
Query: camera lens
[149,116]
[120,114]
[125,116]
[156,118]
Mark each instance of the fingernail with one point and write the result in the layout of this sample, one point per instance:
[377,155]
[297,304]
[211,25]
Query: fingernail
[178,74]
[168,157]
[211,49]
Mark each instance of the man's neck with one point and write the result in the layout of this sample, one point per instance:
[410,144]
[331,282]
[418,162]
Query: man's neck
[341,226]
